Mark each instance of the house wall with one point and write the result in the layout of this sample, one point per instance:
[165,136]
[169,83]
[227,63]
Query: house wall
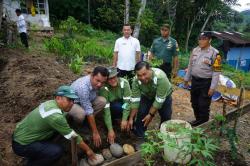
[239,58]
[9,7]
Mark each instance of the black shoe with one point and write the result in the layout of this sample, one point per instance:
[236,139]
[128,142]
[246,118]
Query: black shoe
[197,122]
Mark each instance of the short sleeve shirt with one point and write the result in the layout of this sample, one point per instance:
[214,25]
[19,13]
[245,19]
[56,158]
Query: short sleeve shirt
[127,48]
[165,49]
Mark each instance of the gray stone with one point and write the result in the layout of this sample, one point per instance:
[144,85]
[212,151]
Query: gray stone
[116,150]
[106,154]
[99,159]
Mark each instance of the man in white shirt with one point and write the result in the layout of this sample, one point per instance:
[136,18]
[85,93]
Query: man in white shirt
[21,26]
[126,53]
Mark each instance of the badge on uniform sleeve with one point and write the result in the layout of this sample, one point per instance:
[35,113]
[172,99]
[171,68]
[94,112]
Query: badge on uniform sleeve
[217,63]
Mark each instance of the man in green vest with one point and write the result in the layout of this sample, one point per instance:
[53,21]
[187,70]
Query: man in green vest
[151,93]
[32,134]
[166,48]
[117,93]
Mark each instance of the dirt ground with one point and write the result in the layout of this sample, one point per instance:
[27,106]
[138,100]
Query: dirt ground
[28,78]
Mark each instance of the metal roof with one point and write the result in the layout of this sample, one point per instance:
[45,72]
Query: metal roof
[233,37]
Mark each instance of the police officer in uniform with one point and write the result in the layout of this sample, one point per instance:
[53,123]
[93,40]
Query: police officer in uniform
[203,70]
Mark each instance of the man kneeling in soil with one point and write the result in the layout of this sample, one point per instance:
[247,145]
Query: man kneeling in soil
[30,138]
[117,93]
[89,103]
[151,92]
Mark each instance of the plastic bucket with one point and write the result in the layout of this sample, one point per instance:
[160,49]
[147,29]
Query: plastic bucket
[176,153]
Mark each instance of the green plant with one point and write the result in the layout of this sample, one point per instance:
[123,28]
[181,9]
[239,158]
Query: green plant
[69,26]
[202,147]
[156,62]
[229,132]
[76,65]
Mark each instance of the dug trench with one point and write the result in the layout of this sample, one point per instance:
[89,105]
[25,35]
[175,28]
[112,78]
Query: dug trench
[28,78]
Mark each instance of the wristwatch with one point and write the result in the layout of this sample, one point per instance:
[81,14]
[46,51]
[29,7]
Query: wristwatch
[151,114]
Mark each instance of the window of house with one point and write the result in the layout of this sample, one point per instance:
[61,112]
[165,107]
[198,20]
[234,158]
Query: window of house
[39,5]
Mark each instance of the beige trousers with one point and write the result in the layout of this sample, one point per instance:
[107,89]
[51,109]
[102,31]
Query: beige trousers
[78,114]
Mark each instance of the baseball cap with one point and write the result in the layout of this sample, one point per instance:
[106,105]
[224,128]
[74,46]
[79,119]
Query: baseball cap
[205,35]
[66,91]
[112,72]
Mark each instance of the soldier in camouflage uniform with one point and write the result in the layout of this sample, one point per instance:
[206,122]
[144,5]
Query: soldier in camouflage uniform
[203,70]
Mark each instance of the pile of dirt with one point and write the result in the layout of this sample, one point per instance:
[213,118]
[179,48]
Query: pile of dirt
[29,78]
[26,80]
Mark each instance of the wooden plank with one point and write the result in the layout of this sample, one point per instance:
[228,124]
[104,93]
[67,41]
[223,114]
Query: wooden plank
[74,152]
[231,115]
[129,160]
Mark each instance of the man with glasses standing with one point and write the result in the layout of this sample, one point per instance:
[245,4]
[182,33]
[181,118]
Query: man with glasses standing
[166,48]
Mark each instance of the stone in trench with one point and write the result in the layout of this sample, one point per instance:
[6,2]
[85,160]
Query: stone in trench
[128,149]
[116,150]
[106,154]
[99,159]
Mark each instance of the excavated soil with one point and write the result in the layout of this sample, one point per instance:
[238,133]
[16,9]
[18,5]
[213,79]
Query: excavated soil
[29,78]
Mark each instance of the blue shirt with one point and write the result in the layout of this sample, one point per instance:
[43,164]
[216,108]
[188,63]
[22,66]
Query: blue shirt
[84,90]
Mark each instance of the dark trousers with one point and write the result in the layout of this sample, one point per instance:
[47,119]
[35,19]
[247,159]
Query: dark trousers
[116,109]
[24,39]
[127,74]
[40,153]
[145,104]
[200,99]
[167,68]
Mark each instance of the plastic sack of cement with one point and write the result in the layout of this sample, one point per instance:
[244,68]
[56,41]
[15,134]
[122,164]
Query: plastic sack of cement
[225,81]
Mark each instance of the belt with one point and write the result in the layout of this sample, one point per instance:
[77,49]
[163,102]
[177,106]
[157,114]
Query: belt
[201,79]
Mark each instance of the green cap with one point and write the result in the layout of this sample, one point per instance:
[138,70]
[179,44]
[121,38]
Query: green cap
[66,91]
[112,72]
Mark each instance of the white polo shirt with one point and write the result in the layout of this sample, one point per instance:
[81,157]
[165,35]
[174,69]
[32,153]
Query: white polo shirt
[127,48]
[21,24]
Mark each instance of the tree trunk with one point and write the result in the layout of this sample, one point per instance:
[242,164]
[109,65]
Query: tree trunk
[138,20]
[126,14]
[1,12]
[89,12]
[171,13]
[189,30]
[207,19]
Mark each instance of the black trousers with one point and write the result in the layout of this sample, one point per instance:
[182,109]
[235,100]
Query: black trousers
[200,99]
[167,68]
[127,74]
[40,153]
[24,39]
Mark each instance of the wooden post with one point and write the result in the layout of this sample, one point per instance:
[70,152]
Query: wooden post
[223,113]
[74,152]
[238,106]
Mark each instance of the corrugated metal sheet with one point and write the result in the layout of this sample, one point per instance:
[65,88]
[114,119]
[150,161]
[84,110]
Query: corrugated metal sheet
[233,37]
